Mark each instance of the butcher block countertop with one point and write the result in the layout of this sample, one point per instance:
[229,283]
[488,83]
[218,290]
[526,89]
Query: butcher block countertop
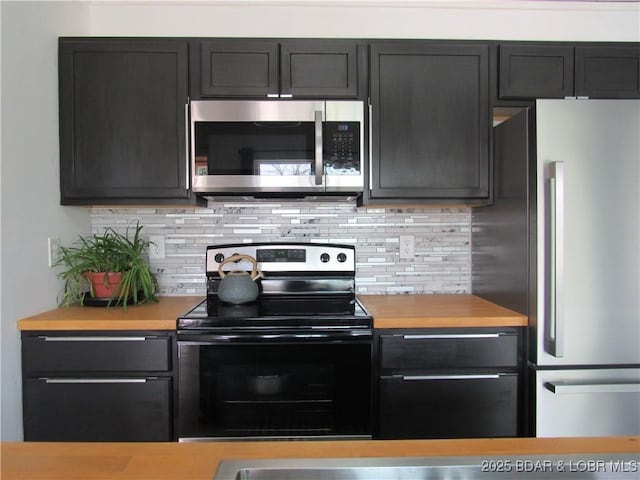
[161,315]
[198,461]
[435,311]
[388,311]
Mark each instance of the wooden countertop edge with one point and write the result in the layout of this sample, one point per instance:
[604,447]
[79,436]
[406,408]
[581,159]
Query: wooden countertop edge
[95,325]
[199,460]
[388,311]
[341,448]
[448,322]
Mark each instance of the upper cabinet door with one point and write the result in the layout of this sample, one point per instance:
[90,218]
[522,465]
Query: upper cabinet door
[325,68]
[270,68]
[238,67]
[541,70]
[608,72]
[429,121]
[123,120]
[536,71]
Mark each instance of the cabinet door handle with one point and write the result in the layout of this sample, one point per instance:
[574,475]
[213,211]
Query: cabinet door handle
[93,339]
[286,95]
[93,380]
[564,388]
[411,378]
[452,336]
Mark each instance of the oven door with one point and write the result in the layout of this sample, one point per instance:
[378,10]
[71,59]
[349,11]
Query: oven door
[242,146]
[314,385]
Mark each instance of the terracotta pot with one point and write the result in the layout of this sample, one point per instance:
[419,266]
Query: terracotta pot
[100,290]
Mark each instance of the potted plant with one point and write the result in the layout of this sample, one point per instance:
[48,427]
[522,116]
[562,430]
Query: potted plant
[107,269]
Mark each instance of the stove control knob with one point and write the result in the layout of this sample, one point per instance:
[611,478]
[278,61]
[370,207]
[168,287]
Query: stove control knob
[219,258]
[342,257]
[324,258]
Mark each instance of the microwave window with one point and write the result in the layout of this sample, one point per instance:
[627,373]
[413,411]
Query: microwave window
[255,148]
[282,168]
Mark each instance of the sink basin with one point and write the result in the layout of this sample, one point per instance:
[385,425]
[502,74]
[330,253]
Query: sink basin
[531,467]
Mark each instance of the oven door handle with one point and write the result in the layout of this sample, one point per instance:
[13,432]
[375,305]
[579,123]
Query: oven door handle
[217,339]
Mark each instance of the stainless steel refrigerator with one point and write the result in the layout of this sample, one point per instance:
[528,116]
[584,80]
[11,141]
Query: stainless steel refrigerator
[562,244]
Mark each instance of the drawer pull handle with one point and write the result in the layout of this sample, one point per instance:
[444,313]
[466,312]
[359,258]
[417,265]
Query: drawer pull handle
[450,377]
[563,388]
[94,380]
[452,336]
[93,339]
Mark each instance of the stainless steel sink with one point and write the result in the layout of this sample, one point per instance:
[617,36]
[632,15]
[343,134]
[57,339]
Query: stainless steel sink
[529,467]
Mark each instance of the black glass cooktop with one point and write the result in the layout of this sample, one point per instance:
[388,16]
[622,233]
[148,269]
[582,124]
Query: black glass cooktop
[272,313]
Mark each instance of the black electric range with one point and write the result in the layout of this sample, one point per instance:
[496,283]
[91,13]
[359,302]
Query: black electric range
[304,286]
[294,363]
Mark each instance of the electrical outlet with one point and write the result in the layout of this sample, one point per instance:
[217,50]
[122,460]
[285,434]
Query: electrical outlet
[156,249]
[53,253]
[407,246]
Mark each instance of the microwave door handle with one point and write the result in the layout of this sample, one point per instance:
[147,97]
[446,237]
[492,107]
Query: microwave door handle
[318,156]
[187,180]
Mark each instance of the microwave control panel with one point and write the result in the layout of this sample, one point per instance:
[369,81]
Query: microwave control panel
[342,144]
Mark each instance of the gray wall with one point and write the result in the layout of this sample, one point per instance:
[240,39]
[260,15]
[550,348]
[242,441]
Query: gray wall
[29,195]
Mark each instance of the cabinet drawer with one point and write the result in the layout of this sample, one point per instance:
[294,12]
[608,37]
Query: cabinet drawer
[449,406]
[448,350]
[95,353]
[608,398]
[97,409]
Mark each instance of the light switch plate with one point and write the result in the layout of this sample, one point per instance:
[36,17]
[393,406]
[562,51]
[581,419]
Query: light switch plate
[156,249]
[53,255]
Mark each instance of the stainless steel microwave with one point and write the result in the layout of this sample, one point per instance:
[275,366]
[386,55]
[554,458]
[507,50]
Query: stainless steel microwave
[277,146]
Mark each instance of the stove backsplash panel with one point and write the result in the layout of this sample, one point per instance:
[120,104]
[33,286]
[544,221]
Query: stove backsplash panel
[442,236]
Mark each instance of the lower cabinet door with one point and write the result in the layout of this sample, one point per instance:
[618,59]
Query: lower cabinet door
[448,406]
[97,409]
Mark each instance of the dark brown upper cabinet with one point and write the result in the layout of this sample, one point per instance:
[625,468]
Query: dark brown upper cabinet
[270,68]
[123,121]
[608,72]
[535,71]
[326,68]
[232,67]
[430,121]
[543,70]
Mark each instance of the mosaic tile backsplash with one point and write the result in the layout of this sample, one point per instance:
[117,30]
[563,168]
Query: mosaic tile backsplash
[441,262]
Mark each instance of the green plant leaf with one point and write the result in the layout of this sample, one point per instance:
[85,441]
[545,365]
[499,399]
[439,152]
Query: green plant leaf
[108,252]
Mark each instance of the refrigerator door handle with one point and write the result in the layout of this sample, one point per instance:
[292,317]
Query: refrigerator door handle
[556,303]
[564,388]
